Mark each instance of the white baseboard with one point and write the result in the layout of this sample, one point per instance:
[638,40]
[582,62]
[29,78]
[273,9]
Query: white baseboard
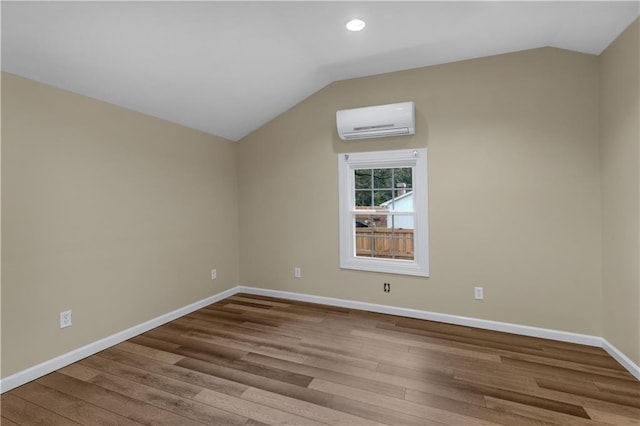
[63,360]
[524,330]
[583,339]
[621,358]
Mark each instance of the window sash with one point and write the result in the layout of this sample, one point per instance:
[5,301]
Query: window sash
[348,163]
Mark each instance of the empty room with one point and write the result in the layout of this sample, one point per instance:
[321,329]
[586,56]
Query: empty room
[320,213]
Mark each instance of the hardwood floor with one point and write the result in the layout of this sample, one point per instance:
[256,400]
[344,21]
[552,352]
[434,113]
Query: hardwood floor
[252,360]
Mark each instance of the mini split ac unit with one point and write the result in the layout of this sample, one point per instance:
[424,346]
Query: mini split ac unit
[377,121]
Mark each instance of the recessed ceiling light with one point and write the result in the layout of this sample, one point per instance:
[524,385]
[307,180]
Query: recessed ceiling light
[356,25]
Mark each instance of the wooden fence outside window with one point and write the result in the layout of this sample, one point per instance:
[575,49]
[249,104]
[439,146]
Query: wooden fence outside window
[385,243]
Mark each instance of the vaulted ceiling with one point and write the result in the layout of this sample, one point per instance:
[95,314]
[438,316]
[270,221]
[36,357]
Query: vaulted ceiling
[227,68]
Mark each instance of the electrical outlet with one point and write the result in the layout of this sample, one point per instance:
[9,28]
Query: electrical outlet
[297,272]
[214,274]
[387,287]
[65,319]
[478,293]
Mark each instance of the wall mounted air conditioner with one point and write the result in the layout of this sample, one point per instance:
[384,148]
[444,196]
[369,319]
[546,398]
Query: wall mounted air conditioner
[377,121]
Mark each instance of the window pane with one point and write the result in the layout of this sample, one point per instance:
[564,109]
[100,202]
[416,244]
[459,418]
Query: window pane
[403,244]
[403,175]
[402,193]
[402,201]
[362,178]
[371,221]
[381,198]
[363,198]
[366,227]
[382,178]
[400,222]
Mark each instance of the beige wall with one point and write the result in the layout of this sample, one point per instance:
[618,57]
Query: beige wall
[112,214]
[620,135]
[514,191]
[120,216]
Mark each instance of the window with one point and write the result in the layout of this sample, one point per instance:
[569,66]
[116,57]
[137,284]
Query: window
[383,211]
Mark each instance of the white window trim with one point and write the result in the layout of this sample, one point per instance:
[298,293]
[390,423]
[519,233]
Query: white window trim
[347,163]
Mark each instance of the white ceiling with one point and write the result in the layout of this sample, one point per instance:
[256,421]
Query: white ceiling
[227,68]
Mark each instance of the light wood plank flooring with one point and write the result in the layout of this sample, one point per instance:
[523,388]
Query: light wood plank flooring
[252,360]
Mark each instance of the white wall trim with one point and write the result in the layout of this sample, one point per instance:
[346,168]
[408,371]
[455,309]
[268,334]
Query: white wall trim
[621,358]
[63,360]
[583,339]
